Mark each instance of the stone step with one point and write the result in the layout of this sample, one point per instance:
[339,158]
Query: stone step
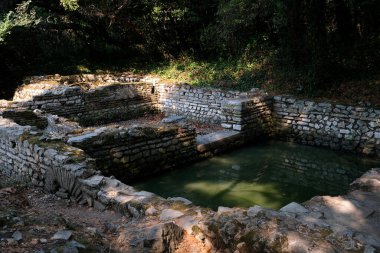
[216,140]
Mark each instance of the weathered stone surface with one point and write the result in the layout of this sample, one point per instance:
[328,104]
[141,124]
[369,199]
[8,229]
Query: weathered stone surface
[170,214]
[253,211]
[151,211]
[370,181]
[62,235]
[294,208]
[223,210]
[218,142]
[173,119]
[93,181]
[17,236]
[86,137]
[327,124]
[181,199]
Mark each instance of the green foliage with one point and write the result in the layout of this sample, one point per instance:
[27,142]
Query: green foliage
[71,5]
[234,74]
[241,23]
[23,16]
[5,26]
[298,46]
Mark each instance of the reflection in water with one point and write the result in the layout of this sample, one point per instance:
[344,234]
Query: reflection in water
[270,175]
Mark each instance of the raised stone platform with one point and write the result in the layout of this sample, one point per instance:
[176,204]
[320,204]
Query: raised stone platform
[218,142]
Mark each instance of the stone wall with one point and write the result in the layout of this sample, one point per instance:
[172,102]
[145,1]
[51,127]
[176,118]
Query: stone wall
[131,153]
[25,118]
[251,116]
[54,166]
[336,126]
[198,104]
[93,99]
[89,105]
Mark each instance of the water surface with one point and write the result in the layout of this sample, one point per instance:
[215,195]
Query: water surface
[270,175]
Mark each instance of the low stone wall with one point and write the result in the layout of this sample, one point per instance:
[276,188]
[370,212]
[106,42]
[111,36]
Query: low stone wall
[54,166]
[336,126]
[85,78]
[93,99]
[89,104]
[250,116]
[131,153]
[25,118]
[198,104]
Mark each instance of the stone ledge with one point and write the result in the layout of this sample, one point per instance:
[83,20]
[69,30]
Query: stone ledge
[222,140]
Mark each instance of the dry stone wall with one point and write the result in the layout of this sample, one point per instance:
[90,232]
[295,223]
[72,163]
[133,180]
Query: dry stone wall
[250,116]
[54,166]
[95,99]
[89,105]
[198,104]
[131,153]
[336,126]
[25,118]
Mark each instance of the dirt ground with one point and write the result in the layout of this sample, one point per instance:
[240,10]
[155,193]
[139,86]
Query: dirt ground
[29,218]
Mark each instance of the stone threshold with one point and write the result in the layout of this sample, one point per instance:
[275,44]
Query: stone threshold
[218,142]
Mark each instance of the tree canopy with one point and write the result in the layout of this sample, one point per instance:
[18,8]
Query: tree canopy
[319,40]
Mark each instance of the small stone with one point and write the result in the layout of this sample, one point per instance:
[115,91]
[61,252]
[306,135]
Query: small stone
[17,236]
[151,211]
[187,223]
[93,181]
[92,230]
[75,244]
[169,214]
[253,211]
[62,235]
[237,127]
[43,240]
[183,200]
[344,131]
[173,119]
[223,209]
[228,126]
[294,208]
[34,241]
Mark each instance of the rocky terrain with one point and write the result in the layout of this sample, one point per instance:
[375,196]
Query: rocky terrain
[33,221]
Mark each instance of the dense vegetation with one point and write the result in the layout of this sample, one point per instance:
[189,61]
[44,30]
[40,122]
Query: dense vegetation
[298,46]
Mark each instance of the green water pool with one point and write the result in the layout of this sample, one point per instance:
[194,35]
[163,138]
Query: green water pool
[270,175]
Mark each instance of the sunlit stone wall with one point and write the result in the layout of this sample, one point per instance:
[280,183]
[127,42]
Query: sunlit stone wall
[55,166]
[198,104]
[89,104]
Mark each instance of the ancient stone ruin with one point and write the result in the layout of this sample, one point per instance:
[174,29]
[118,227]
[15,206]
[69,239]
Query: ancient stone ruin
[75,135]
